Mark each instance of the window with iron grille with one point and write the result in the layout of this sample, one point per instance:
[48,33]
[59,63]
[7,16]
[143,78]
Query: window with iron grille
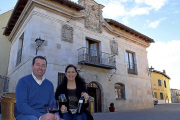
[131,65]
[119,91]
[19,52]
[60,77]
[159,82]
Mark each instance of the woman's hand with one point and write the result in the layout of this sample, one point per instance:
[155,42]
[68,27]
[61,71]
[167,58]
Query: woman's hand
[63,109]
[86,96]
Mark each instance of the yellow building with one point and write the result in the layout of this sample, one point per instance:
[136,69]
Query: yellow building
[161,87]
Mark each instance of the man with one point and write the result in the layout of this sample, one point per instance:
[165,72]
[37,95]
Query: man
[34,93]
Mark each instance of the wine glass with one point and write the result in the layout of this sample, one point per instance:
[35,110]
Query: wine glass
[53,107]
[62,100]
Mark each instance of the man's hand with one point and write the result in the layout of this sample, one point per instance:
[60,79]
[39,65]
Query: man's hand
[48,116]
[56,116]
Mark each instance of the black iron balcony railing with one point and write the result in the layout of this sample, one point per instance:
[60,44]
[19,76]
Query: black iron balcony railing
[96,58]
[132,68]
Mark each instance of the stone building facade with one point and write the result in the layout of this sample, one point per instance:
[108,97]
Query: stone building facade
[115,68]
[175,95]
[4,49]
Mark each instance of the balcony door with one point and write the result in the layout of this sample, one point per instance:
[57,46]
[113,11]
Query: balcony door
[92,51]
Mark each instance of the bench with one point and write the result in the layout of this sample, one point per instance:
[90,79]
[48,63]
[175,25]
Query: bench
[8,100]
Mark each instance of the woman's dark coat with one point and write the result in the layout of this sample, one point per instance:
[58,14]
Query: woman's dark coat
[62,89]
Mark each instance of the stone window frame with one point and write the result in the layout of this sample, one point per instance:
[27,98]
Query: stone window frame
[19,52]
[131,62]
[119,91]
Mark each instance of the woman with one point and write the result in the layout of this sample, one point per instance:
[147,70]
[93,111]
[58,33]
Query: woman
[73,86]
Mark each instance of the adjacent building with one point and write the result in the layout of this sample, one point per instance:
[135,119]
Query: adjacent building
[4,48]
[161,87]
[175,95]
[110,56]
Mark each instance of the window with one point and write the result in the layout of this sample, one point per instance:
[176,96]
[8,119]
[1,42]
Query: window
[131,66]
[19,52]
[165,84]
[119,91]
[161,95]
[155,94]
[60,77]
[159,82]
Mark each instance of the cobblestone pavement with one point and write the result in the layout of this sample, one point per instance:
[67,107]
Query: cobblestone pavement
[159,112]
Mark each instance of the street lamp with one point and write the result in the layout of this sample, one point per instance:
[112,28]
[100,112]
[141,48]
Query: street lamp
[70,19]
[39,42]
[150,71]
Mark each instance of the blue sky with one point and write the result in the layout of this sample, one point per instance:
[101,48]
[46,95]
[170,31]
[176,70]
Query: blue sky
[157,19]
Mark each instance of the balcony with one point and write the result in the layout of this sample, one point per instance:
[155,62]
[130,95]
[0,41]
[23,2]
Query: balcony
[96,58]
[132,68]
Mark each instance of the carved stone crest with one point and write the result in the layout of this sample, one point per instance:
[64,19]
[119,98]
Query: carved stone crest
[114,47]
[93,19]
[67,33]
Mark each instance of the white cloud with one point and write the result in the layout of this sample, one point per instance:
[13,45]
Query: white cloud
[176,11]
[123,0]
[125,20]
[156,23]
[139,11]
[156,4]
[114,10]
[166,56]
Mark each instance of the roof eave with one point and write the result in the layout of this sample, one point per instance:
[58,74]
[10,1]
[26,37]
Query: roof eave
[127,29]
[162,74]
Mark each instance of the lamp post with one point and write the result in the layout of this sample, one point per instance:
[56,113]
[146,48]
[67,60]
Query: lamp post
[39,42]
[70,19]
[150,71]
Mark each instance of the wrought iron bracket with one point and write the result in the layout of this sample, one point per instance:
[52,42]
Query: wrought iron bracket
[112,74]
[81,67]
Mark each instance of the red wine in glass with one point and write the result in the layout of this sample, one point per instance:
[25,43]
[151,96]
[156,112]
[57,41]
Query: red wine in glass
[53,107]
[53,111]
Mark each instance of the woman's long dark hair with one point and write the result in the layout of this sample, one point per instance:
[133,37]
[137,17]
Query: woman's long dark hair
[78,78]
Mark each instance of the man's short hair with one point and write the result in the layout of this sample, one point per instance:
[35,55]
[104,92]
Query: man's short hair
[41,57]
